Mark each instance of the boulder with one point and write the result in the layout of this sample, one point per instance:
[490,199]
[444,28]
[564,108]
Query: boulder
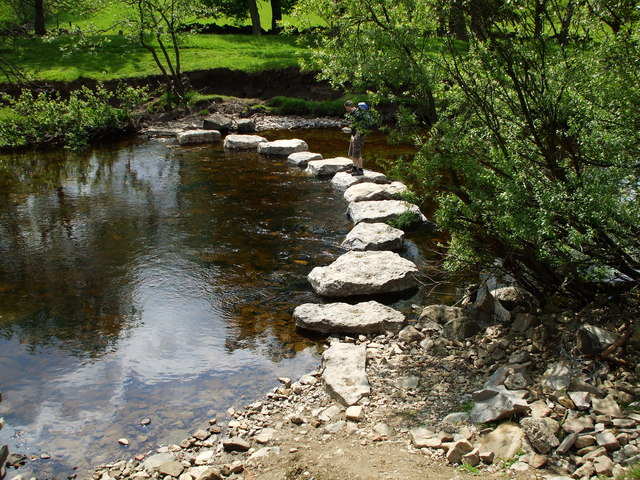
[217,121]
[364,273]
[504,441]
[282,148]
[384,211]
[344,372]
[243,142]
[368,191]
[512,297]
[373,236]
[361,318]
[425,438]
[460,328]
[246,125]
[301,159]
[191,137]
[328,167]
[495,403]
[593,340]
[344,180]
[487,303]
[541,433]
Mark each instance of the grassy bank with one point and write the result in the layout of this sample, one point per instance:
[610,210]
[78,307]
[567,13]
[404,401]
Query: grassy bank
[107,57]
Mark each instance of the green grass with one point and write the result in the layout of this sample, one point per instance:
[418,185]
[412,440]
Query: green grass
[112,56]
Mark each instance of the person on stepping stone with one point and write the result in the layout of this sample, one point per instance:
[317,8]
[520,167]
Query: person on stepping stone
[359,122]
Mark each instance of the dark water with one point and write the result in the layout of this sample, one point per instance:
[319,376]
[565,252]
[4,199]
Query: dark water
[151,280]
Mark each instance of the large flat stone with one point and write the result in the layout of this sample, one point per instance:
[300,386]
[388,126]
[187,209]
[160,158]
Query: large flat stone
[364,273]
[243,142]
[373,236]
[368,191]
[283,148]
[190,137]
[504,441]
[301,159]
[344,180]
[361,318]
[383,211]
[327,167]
[344,372]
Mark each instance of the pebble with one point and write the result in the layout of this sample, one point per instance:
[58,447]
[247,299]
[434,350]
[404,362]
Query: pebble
[123,441]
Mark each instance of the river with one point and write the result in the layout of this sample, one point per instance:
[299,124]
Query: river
[147,280]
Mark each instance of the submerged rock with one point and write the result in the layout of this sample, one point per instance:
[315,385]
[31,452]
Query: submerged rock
[361,318]
[364,273]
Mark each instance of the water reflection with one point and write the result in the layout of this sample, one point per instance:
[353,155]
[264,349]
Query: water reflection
[150,280]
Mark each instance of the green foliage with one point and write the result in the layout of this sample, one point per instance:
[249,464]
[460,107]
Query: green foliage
[107,57]
[467,467]
[404,220]
[529,135]
[632,473]
[299,106]
[85,116]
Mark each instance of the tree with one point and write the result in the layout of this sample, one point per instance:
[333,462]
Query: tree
[532,138]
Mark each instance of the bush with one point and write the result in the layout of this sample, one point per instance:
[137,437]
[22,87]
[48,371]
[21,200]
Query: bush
[75,122]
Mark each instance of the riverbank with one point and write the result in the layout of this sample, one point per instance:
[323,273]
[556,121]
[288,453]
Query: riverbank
[500,387]
[420,383]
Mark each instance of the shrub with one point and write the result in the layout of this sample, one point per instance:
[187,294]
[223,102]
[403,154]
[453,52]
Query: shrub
[85,116]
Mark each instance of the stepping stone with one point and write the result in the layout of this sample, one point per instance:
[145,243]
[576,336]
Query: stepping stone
[328,167]
[190,137]
[344,372]
[345,180]
[243,142]
[364,273]
[283,148]
[373,236]
[361,318]
[383,211]
[300,159]
[363,192]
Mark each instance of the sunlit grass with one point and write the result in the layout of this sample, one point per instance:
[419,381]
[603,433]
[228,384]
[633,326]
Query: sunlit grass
[107,57]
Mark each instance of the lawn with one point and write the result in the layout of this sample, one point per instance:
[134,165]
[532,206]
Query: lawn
[105,57]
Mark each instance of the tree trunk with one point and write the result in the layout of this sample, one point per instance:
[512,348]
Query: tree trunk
[566,23]
[457,24]
[38,18]
[255,17]
[276,14]
[539,13]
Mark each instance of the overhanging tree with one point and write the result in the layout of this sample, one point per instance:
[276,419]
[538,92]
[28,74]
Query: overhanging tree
[532,143]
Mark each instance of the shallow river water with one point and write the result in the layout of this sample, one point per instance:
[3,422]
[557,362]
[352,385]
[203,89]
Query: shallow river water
[148,280]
